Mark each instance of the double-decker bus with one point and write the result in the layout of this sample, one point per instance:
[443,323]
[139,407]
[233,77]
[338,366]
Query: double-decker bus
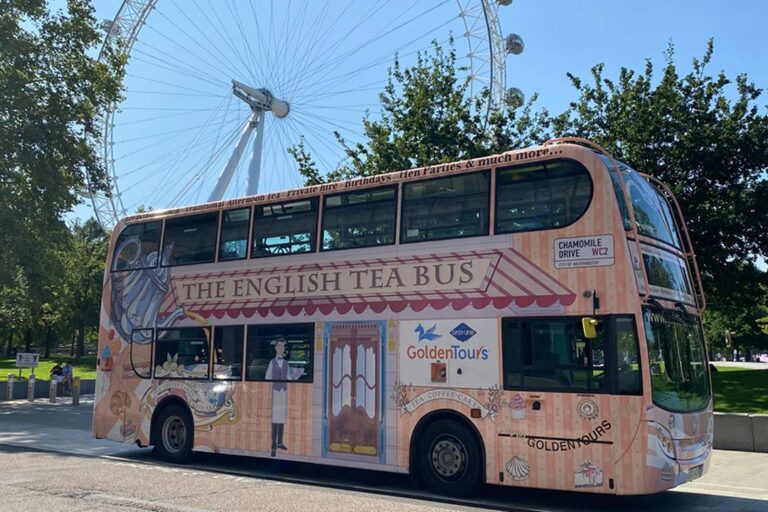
[529,319]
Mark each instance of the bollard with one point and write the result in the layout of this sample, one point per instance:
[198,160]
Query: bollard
[11,381]
[31,388]
[75,390]
[52,391]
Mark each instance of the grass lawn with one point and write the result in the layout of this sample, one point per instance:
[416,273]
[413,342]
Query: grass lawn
[85,368]
[740,390]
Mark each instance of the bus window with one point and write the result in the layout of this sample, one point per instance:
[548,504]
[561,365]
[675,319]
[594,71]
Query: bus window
[541,196]
[234,234]
[552,354]
[182,353]
[449,207]
[190,239]
[512,334]
[141,352]
[268,346]
[284,228]
[628,377]
[362,218]
[228,352]
[137,246]
[652,213]
[667,272]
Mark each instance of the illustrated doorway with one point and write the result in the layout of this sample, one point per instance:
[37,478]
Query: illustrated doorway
[353,402]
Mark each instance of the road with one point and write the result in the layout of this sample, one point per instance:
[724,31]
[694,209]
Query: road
[50,462]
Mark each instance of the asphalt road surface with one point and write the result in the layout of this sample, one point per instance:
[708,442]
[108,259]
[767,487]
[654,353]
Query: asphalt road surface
[49,463]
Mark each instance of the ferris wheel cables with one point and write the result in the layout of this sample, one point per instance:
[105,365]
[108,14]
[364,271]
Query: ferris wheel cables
[206,169]
[184,50]
[316,50]
[224,36]
[312,61]
[376,37]
[222,57]
[175,67]
[162,82]
[181,166]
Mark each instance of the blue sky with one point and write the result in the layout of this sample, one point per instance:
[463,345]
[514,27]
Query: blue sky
[163,129]
[566,36]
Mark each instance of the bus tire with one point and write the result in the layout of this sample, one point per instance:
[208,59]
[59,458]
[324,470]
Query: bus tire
[173,434]
[448,458]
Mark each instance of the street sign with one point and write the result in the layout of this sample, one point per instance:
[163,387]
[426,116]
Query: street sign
[27,360]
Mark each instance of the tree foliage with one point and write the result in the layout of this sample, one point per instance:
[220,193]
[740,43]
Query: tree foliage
[710,149]
[691,132]
[427,118]
[52,91]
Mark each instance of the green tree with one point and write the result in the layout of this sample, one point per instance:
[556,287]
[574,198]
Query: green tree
[84,264]
[52,90]
[710,149]
[427,118]
[15,307]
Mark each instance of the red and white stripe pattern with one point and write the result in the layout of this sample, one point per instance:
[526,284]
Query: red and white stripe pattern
[510,278]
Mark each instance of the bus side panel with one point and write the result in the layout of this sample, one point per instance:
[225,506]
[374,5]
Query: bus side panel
[629,448]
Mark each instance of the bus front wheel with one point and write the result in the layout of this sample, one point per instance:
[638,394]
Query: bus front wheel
[173,434]
[449,458]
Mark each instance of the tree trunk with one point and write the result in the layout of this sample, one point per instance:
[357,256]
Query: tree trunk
[9,344]
[47,342]
[28,340]
[72,346]
[80,341]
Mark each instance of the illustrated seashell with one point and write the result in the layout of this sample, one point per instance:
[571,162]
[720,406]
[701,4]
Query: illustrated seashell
[518,468]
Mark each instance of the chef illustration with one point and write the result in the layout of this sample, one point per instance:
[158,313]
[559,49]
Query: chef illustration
[280,372]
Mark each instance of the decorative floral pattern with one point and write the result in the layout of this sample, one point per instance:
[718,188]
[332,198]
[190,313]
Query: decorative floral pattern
[495,401]
[588,409]
[400,394]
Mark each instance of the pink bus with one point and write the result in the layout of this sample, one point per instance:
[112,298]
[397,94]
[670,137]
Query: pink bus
[529,319]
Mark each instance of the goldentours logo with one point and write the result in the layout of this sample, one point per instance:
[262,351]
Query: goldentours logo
[428,334]
[463,332]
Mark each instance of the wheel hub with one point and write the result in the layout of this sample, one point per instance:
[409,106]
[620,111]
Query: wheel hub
[448,457]
[174,434]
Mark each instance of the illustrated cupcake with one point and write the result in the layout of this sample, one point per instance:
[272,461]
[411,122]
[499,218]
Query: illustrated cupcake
[517,407]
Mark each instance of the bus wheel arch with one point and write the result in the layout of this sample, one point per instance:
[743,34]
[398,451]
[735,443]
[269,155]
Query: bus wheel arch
[424,430]
[172,430]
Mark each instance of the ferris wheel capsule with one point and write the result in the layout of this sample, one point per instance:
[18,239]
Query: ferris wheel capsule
[515,44]
[514,97]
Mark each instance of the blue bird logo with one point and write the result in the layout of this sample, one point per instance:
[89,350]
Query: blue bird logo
[429,334]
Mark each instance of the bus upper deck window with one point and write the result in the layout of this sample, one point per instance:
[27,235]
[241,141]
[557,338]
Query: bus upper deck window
[541,196]
[190,239]
[137,246]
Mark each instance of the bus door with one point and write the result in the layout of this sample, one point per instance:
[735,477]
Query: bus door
[558,432]
[353,389]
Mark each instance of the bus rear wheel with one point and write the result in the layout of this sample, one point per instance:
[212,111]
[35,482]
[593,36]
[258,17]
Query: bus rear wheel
[449,459]
[173,434]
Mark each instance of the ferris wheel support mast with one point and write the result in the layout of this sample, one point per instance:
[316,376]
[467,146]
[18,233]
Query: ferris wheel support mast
[261,101]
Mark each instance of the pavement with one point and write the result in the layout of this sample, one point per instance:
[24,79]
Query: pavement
[736,481]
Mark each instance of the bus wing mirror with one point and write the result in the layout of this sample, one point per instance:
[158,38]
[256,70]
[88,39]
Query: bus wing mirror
[589,326]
